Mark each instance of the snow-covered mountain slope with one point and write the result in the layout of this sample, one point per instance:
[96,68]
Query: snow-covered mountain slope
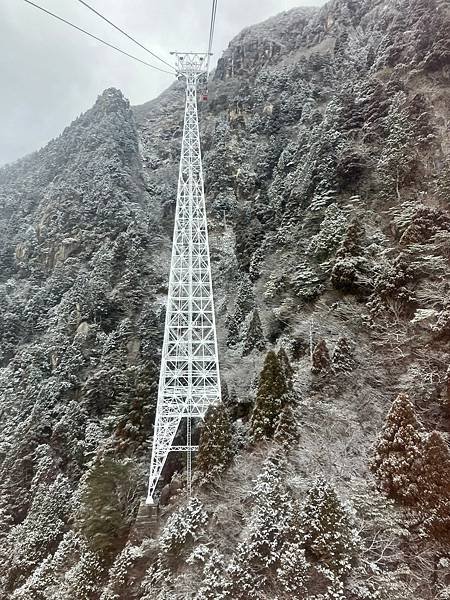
[326,157]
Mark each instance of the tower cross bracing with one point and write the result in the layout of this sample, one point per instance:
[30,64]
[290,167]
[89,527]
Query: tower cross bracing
[189,378]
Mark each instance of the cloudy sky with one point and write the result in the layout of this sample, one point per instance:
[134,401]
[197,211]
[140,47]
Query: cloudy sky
[51,73]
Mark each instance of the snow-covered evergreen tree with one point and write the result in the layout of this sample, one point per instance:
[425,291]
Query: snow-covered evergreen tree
[286,432]
[84,579]
[258,555]
[254,336]
[320,357]
[342,360]
[107,503]
[433,485]
[350,260]
[397,452]
[294,571]
[329,533]
[215,445]
[183,527]
[269,401]
[214,580]
[285,365]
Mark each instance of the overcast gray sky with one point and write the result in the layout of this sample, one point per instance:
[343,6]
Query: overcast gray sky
[51,73]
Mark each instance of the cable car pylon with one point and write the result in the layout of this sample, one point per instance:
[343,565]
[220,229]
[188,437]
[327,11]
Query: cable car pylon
[189,378]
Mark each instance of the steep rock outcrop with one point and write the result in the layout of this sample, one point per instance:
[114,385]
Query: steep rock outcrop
[325,146]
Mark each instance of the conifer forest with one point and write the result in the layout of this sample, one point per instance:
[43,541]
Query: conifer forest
[324,474]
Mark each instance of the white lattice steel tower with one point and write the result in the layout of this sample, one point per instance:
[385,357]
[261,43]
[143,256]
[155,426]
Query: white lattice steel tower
[189,378]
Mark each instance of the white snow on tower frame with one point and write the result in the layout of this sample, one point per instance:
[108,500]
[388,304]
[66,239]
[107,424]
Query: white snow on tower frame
[189,378]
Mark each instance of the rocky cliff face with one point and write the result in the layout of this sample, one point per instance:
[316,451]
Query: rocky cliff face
[326,159]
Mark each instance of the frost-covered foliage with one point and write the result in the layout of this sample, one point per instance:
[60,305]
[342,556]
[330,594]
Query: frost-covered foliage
[413,466]
[245,302]
[349,268]
[215,449]
[397,451]
[183,527]
[254,336]
[270,398]
[214,582]
[332,230]
[325,144]
[287,431]
[259,552]
[107,503]
[433,483]
[119,571]
[320,357]
[40,532]
[329,531]
[342,360]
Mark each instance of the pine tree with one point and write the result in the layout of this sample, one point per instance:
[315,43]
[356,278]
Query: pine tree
[329,536]
[266,528]
[342,360]
[82,581]
[183,528]
[215,445]
[349,259]
[285,365]
[433,483]
[294,571]
[254,337]
[105,511]
[352,244]
[320,357]
[214,582]
[397,452]
[286,432]
[272,388]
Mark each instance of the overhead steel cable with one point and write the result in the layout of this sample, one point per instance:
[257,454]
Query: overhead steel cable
[96,38]
[91,8]
[211,29]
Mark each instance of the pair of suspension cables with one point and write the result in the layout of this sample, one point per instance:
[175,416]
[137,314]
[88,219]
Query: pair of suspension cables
[112,46]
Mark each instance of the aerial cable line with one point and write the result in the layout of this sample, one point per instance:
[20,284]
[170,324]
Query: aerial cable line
[211,29]
[96,38]
[91,8]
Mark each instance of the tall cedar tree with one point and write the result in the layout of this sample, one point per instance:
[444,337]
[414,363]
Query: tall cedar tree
[398,452]
[285,365]
[433,483]
[329,535]
[320,357]
[286,432]
[102,517]
[269,398]
[215,445]
[266,528]
[342,361]
[254,337]
[349,258]
[293,570]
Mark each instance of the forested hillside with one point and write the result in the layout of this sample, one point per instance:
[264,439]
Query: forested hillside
[325,474]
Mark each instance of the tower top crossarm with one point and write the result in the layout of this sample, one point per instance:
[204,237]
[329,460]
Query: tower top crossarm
[191,65]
